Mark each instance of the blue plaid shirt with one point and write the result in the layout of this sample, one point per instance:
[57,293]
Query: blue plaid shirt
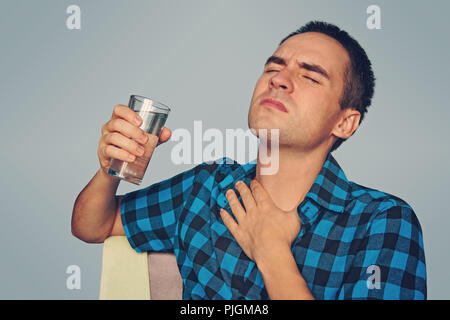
[355,242]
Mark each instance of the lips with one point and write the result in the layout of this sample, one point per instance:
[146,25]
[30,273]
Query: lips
[269,102]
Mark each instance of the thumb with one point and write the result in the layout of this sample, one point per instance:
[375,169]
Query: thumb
[165,135]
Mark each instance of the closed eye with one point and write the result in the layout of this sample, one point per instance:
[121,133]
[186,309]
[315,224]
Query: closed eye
[315,81]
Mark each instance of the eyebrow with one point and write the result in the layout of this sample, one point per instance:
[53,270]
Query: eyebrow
[308,66]
[276,60]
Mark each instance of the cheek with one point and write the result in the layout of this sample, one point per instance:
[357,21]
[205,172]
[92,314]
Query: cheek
[259,88]
[317,112]
[324,122]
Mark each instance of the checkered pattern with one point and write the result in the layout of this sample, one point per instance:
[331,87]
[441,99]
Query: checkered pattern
[355,242]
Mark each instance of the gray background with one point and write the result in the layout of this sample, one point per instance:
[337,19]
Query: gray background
[59,86]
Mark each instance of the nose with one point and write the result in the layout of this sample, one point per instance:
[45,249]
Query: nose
[281,80]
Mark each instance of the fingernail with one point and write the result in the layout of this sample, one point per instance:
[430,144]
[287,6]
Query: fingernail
[140,150]
[131,157]
[137,120]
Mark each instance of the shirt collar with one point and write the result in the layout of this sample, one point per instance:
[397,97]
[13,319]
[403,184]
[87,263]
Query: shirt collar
[330,190]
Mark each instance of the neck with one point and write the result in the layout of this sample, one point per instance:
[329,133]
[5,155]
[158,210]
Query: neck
[297,171]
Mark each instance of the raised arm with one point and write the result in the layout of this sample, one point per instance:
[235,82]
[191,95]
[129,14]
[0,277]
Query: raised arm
[96,212]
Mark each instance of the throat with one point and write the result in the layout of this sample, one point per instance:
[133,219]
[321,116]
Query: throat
[294,178]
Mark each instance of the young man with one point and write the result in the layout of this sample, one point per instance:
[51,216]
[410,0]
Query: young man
[305,232]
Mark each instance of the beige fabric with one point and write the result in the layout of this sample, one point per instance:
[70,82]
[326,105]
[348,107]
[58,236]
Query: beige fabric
[127,274]
[124,271]
[165,278]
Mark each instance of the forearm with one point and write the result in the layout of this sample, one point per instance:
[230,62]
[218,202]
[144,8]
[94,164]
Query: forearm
[94,209]
[281,276]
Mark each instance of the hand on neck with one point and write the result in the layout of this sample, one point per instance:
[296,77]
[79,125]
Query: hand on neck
[297,171]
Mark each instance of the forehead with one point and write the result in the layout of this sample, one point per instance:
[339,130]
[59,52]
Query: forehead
[316,48]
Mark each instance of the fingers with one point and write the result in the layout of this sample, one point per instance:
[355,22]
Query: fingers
[235,205]
[124,112]
[123,139]
[246,195]
[165,135]
[260,194]
[125,128]
[229,223]
[124,143]
[109,152]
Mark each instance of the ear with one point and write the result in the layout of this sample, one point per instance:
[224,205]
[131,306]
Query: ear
[348,123]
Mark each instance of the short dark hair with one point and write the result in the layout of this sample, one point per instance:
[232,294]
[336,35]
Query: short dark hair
[359,80]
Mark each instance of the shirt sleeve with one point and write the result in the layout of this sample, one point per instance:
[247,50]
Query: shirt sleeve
[149,216]
[390,262]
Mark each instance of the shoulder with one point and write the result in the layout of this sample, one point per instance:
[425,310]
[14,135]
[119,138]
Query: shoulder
[376,199]
[380,206]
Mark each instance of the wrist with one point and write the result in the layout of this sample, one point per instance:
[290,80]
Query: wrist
[107,177]
[281,275]
[271,256]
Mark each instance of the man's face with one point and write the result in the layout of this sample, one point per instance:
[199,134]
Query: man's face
[306,75]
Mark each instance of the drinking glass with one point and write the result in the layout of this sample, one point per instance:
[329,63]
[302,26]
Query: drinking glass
[154,115]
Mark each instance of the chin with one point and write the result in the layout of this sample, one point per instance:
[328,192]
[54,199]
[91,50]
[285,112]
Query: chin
[264,133]
[258,122]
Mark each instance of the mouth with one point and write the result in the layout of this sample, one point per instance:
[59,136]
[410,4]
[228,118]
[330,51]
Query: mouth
[272,103]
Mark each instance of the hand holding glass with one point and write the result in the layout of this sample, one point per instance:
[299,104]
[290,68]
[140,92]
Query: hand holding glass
[154,115]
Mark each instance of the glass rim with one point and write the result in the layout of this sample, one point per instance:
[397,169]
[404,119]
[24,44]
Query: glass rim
[155,103]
